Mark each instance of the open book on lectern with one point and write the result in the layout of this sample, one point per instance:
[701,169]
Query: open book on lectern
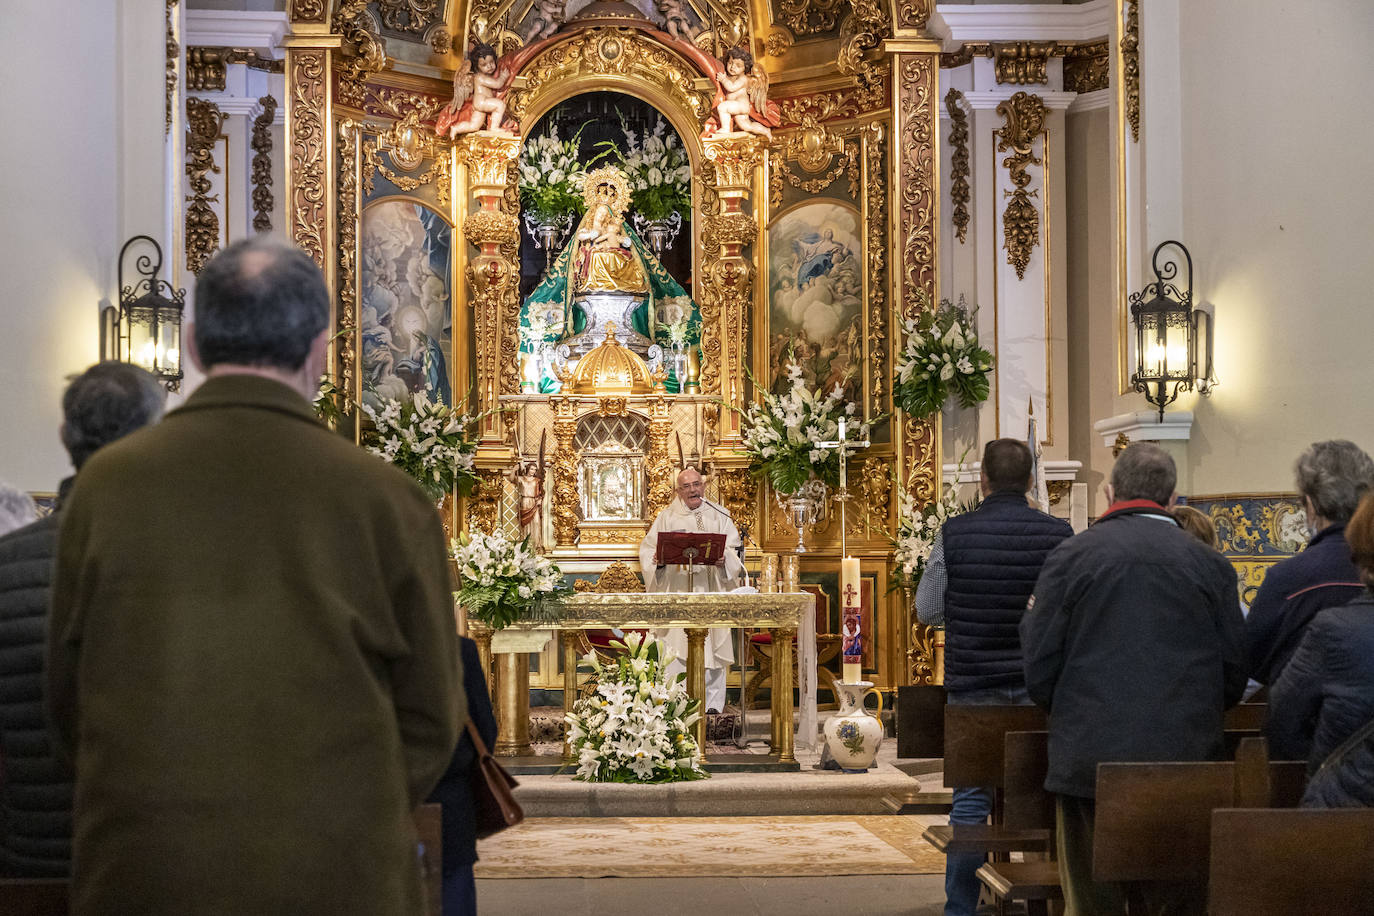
[673,547]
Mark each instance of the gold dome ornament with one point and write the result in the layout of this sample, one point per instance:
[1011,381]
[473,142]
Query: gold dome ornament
[610,368]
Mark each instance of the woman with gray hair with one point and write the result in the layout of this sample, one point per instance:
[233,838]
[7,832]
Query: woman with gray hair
[1331,478]
[16,508]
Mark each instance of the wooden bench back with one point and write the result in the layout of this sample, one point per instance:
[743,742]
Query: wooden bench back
[1283,862]
[1153,820]
[975,737]
[1246,716]
[1026,805]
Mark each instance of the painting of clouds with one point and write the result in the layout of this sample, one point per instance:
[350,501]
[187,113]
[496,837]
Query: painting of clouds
[815,287]
[404,312]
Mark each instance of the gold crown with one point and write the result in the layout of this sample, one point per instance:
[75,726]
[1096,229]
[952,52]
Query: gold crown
[607,174]
[611,368]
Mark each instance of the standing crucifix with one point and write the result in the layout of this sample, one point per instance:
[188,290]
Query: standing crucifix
[844,444]
[851,592]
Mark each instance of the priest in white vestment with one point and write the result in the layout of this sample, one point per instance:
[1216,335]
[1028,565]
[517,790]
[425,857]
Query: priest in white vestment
[691,511]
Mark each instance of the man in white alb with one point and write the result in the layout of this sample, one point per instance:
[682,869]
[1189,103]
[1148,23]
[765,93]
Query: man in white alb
[691,511]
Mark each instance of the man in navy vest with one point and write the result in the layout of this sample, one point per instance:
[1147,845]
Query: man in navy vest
[980,574]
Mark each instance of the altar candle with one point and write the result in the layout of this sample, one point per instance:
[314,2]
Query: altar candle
[851,603]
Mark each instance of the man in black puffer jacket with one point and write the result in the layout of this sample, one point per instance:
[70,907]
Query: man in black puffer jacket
[978,578]
[107,401]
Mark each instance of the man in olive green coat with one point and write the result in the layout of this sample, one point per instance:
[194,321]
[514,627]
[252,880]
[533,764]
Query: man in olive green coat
[252,654]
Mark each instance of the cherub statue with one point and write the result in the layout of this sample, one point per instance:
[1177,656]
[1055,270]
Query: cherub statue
[742,101]
[545,18]
[676,22]
[477,96]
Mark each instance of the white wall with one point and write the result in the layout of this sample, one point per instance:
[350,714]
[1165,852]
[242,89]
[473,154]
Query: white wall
[81,170]
[1276,212]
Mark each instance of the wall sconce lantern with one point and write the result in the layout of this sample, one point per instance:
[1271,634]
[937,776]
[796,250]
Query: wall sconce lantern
[145,328]
[1173,340]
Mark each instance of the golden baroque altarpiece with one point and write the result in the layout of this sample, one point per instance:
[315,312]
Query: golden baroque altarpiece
[855,83]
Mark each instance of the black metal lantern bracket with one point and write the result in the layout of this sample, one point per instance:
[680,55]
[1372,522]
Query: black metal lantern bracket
[1173,338]
[145,328]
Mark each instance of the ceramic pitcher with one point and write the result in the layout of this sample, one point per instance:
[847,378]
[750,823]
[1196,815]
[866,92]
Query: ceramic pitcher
[853,734]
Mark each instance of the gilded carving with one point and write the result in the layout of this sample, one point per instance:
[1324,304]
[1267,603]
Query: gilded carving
[810,17]
[262,165]
[205,69]
[959,168]
[738,492]
[1023,62]
[485,502]
[1058,489]
[564,472]
[1086,67]
[876,254]
[1120,444]
[409,144]
[395,103]
[612,407]
[815,149]
[619,52]
[440,39]
[916,220]
[309,143]
[488,158]
[1024,120]
[204,123]
[839,104]
[1130,64]
[875,488]
[348,252]
[921,656]
[658,465]
[363,53]
[170,79]
[958,58]
[618,578]
[308,10]
[917,211]
[408,15]
[914,14]
[778,43]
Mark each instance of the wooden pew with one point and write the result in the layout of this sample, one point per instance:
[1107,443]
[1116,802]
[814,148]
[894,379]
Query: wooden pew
[1153,820]
[1026,806]
[974,756]
[1291,862]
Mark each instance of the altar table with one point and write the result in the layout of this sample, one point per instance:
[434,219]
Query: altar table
[786,615]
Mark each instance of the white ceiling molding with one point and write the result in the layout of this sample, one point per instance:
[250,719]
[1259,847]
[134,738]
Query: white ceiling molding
[1021,22]
[1091,101]
[969,472]
[254,31]
[1146,426]
[991,98]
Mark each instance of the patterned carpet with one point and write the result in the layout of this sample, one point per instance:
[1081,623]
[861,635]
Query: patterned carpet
[693,847]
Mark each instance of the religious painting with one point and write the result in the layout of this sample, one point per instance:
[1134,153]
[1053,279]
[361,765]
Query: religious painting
[404,311]
[815,286]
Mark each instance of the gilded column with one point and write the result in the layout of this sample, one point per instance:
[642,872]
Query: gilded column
[915,210]
[493,276]
[659,465]
[309,128]
[729,279]
[564,471]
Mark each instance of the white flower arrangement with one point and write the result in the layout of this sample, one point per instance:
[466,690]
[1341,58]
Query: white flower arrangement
[780,434]
[550,175]
[658,169]
[501,581]
[433,443]
[636,726]
[941,357]
[916,531]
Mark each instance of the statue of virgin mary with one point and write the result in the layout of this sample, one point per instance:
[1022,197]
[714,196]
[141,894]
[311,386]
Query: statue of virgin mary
[607,268]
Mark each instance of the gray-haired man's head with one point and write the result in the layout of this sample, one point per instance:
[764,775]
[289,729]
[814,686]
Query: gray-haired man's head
[1334,475]
[1144,471]
[107,401]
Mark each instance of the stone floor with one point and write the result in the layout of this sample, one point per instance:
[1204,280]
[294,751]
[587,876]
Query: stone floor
[867,895]
[811,791]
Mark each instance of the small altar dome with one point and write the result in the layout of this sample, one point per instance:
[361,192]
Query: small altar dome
[611,368]
[608,10]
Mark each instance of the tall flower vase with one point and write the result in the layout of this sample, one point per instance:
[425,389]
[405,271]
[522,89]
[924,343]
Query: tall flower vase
[852,735]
